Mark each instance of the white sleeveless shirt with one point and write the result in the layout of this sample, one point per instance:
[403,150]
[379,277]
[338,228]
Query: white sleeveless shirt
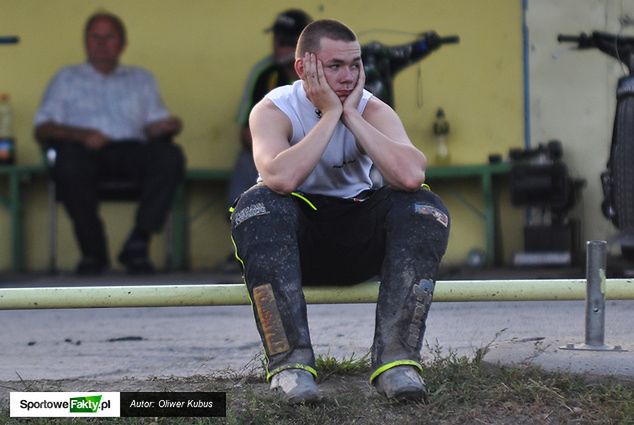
[343,171]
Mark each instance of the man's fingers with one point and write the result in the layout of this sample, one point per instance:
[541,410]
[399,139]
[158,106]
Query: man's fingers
[309,67]
[320,71]
[313,70]
[361,75]
[315,67]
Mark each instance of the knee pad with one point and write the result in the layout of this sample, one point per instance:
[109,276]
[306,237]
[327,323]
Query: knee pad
[419,222]
[401,318]
[258,204]
[270,320]
[420,204]
[420,298]
[264,227]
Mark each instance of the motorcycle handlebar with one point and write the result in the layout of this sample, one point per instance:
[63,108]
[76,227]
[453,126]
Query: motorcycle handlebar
[583,40]
[597,39]
[562,38]
[449,39]
[618,46]
[9,39]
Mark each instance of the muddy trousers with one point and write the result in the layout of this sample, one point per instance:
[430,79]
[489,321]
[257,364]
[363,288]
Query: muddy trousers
[285,242]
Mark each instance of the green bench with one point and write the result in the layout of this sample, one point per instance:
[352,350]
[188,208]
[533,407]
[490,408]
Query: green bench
[17,175]
[178,235]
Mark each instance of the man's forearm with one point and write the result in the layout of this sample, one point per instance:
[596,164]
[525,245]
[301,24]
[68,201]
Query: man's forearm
[289,168]
[164,128]
[401,164]
[50,131]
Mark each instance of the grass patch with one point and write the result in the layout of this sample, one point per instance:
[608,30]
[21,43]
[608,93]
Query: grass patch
[328,365]
[462,391]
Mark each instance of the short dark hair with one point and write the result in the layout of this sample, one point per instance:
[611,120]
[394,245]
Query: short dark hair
[114,20]
[310,38]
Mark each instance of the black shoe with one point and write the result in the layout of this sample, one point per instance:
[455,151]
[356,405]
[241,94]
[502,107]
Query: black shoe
[136,264]
[135,258]
[90,266]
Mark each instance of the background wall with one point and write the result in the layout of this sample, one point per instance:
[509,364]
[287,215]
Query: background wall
[572,92]
[201,52]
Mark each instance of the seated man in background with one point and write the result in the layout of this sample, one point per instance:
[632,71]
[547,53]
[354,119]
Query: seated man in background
[106,119]
[316,218]
[273,71]
[277,69]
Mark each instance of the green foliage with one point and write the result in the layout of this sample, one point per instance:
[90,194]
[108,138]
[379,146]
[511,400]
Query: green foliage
[328,365]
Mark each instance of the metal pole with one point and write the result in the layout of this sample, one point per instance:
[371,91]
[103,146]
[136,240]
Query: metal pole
[596,254]
[52,227]
[595,299]
[236,294]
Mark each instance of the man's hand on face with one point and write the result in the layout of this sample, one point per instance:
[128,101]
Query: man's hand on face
[319,91]
[351,103]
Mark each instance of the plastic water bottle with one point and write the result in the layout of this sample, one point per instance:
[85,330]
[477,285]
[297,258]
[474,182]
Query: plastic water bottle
[441,130]
[7,142]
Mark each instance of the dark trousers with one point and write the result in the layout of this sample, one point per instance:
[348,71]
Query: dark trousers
[244,176]
[285,241]
[157,167]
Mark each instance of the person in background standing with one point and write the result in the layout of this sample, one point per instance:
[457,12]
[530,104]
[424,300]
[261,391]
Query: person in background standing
[273,71]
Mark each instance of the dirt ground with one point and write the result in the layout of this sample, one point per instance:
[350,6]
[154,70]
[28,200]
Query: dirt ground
[213,348]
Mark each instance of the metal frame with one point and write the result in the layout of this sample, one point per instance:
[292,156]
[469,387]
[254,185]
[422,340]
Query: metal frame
[236,294]
[595,289]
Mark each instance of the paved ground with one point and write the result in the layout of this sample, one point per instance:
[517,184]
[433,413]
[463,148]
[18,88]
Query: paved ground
[105,345]
[183,341]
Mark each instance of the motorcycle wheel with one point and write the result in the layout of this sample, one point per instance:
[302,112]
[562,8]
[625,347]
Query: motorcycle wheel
[623,169]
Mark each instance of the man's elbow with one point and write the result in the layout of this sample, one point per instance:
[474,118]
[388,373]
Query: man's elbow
[283,186]
[40,133]
[411,182]
[415,178]
[413,185]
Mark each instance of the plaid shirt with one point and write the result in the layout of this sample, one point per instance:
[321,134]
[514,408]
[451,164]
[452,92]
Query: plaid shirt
[119,105]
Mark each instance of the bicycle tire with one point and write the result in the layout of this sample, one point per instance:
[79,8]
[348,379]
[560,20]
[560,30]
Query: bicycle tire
[622,164]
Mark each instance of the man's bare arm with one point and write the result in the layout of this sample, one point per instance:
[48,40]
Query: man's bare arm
[164,128]
[283,167]
[380,133]
[50,131]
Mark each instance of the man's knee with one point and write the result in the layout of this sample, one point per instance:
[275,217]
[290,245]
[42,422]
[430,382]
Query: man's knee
[168,158]
[261,203]
[416,206]
[72,161]
[419,217]
[262,216]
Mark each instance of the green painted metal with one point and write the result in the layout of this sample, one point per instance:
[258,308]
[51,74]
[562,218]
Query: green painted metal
[17,174]
[486,173]
[235,294]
